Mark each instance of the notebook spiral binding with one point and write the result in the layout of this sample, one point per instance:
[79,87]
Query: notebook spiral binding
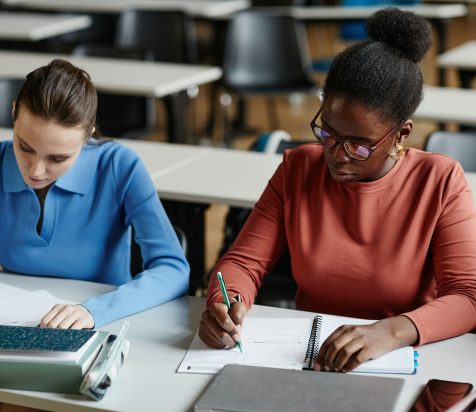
[312,348]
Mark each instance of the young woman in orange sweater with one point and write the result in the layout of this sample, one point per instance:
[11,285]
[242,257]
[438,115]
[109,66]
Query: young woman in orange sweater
[374,230]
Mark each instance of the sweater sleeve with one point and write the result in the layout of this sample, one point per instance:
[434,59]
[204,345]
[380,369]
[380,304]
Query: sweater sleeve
[166,271]
[453,254]
[258,247]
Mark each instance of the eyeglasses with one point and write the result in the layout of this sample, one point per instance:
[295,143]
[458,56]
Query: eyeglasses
[354,150]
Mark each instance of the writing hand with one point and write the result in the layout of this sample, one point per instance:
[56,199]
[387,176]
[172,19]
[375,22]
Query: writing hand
[220,329]
[67,317]
[351,345]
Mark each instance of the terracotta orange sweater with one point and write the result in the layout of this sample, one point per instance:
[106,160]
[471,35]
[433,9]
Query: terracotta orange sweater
[404,244]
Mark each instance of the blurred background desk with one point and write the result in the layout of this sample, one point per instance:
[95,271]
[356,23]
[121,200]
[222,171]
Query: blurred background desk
[447,105]
[116,75]
[34,27]
[463,60]
[197,8]
[131,77]
[160,337]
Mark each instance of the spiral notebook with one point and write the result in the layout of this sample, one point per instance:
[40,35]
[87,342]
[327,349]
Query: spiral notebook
[287,343]
[402,360]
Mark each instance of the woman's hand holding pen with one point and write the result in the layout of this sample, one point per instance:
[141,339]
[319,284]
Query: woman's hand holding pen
[220,328]
[350,345]
[68,317]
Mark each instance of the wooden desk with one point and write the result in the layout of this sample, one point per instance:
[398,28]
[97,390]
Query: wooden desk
[160,337]
[462,59]
[35,27]
[196,8]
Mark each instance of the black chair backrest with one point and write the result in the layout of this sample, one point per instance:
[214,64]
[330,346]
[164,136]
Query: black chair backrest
[136,254]
[101,30]
[9,89]
[461,146]
[265,50]
[119,114]
[169,35]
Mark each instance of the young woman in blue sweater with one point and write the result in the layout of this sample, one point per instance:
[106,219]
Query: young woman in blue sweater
[68,202]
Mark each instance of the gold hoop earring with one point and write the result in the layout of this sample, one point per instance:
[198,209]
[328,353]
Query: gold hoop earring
[398,151]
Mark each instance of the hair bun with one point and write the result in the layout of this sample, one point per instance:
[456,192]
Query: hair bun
[404,31]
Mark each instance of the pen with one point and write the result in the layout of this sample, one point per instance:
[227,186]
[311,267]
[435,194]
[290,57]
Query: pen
[227,301]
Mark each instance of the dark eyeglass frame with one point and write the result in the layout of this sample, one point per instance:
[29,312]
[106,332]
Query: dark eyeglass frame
[339,140]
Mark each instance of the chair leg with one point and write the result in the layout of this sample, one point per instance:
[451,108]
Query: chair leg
[191,136]
[225,103]
[271,105]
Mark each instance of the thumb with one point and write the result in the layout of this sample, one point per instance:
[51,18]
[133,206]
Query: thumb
[238,312]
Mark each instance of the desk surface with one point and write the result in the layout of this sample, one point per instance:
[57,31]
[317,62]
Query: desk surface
[445,104]
[198,8]
[34,27]
[461,57]
[232,177]
[143,78]
[339,13]
[160,337]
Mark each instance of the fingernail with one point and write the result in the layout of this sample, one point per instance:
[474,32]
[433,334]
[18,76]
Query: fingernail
[317,367]
[236,337]
[326,368]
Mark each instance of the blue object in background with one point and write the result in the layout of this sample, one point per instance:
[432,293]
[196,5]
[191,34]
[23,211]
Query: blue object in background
[354,31]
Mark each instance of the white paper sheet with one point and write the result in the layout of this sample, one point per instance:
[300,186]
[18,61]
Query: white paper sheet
[24,307]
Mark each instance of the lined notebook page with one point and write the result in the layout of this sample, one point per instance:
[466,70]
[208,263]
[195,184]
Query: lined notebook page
[398,361]
[272,342]
[283,343]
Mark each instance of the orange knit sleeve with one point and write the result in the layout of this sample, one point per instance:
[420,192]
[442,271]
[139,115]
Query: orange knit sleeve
[257,248]
[453,254]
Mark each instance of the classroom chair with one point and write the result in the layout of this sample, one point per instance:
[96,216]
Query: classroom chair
[265,54]
[101,31]
[167,36]
[119,115]
[461,146]
[9,89]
